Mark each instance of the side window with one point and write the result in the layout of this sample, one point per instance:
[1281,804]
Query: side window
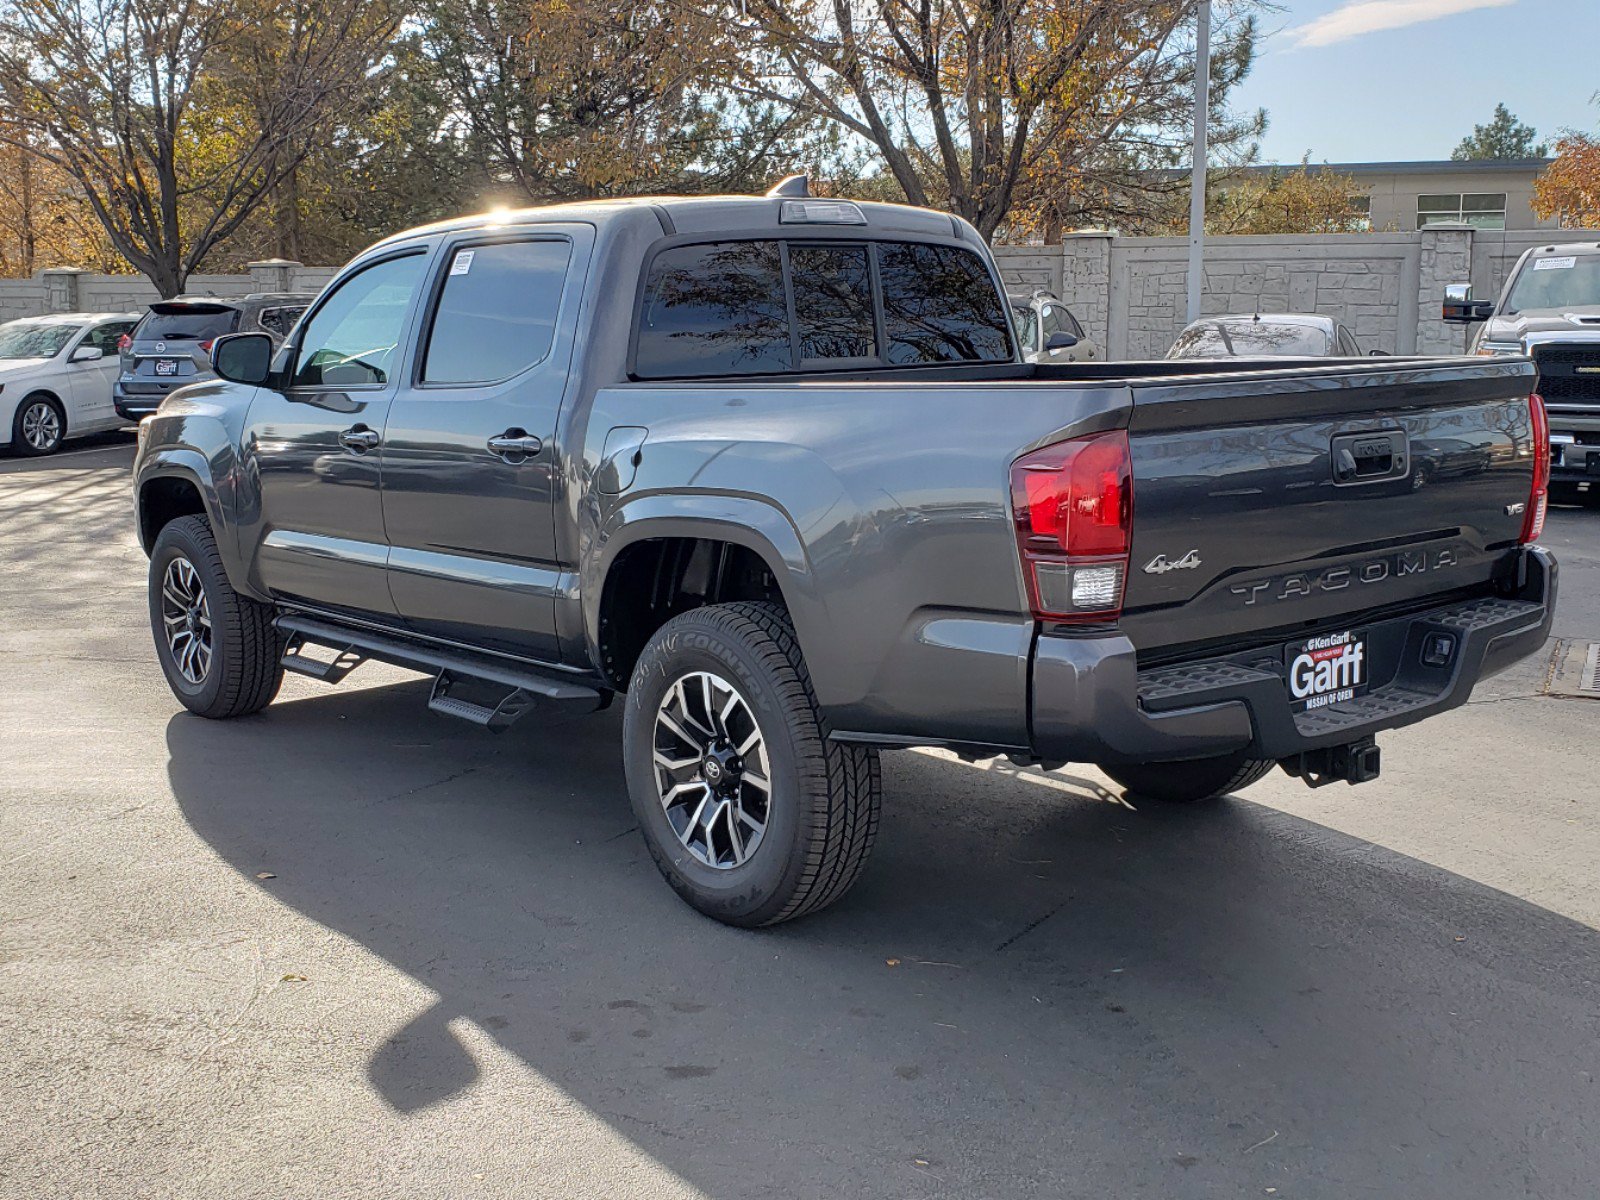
[105,337]
[353,339]
[280,320]
[1070,324]
[833,302]
[939,305]
[1052,320]
[1027,327]
[497,310]
[716,309]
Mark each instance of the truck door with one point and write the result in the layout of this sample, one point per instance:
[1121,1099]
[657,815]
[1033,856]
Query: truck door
[471,472]
[314,447]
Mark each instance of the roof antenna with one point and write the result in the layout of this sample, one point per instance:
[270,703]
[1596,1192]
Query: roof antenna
[792,186]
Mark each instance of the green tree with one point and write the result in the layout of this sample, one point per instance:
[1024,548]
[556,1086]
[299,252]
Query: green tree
[1503,137]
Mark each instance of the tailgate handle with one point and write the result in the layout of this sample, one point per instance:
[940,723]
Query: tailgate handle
[1369,457]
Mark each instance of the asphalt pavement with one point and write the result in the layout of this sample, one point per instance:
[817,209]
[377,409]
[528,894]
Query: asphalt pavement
[347,948]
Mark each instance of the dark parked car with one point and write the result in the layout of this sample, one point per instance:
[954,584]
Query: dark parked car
[171,345]
[774,470]
[1266,335]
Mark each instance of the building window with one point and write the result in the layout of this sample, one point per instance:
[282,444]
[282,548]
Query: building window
[1482,210]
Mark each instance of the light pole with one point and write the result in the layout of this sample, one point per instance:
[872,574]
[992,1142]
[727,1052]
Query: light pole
[1197,174]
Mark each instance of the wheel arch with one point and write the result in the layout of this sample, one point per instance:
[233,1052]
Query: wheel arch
[667,554]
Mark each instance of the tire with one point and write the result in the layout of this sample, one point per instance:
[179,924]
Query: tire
[39,426]
[819,813]
[1190,781]
[241,671]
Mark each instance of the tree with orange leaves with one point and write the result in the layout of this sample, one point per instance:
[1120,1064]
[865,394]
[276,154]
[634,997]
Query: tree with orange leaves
[1570,186]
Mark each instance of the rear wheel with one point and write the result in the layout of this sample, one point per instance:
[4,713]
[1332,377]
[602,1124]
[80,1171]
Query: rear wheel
[39,427]
[750,812]
[219,650]
[1189,781]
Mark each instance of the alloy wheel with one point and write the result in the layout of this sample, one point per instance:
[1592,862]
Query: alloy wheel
[41,426]
[711,768]
[186,620]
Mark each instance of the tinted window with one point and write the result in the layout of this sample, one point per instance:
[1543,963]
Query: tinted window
[833,301]
[279,321]
[714,310]
[1051,319]
[1070,323]
[354,337]
[497,312]
[939,305]
[187,324]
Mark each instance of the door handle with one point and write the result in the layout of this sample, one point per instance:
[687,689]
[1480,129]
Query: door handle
[515,442]
[358,439]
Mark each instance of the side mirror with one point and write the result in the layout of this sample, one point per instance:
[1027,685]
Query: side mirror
[1060,340]
[1461,309]
[243,357]
[87,354]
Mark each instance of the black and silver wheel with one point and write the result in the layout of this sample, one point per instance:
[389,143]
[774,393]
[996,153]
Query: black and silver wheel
[39,426]
[748,809]
[218,649]
[1191,780]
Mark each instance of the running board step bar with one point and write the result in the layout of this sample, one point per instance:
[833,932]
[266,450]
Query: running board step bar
[522,688]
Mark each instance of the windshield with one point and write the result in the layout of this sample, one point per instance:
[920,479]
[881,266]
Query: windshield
[34,341]
[1249,339]
[186,325]
[1557,281]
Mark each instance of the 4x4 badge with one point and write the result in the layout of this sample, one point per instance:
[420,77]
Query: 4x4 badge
[1160,564]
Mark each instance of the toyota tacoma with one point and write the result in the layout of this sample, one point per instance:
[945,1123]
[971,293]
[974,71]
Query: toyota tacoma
[774,471]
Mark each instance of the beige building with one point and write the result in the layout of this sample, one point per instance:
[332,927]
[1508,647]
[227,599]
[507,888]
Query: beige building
[1403,196]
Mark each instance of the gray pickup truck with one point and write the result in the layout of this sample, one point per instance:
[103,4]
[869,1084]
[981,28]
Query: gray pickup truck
[1549,309]
[774,468]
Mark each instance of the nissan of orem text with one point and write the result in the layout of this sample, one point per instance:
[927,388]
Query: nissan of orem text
[773,474]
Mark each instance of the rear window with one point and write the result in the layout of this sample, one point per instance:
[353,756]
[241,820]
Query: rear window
[1250,339]
[186,324]
[724,308]
[939,305]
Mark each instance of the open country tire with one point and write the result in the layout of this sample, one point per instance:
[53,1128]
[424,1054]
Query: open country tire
[1189,781]
[218,649]
[39,426]
[748,809]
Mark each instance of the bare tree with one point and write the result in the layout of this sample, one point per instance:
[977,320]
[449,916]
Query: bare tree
[979,105]
[177,118]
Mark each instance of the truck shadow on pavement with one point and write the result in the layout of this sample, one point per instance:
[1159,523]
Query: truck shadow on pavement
[1032,991]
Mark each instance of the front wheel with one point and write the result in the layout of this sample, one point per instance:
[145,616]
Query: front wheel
[39,427]
[1189,781]
[750,812]
[219,650]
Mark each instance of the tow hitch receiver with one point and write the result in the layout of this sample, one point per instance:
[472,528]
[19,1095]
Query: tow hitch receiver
[1354,763]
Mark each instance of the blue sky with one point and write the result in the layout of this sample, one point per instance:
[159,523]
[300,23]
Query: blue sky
[1337,83]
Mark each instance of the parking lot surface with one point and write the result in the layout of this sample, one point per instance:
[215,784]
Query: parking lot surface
[348,948]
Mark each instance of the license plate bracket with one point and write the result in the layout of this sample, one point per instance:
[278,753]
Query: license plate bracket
[1328,668]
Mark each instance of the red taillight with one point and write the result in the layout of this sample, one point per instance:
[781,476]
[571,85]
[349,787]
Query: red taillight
[1073,507]
[124,342]
[1539,495]
[205,346]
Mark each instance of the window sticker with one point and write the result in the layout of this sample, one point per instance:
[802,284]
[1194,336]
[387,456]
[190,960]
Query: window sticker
[1555,264]
[462,262]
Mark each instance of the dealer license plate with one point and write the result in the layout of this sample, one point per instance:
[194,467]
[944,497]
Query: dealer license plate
[166,366]
[1326,669]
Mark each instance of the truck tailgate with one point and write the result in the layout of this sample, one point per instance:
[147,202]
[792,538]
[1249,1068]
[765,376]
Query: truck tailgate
[1272,502]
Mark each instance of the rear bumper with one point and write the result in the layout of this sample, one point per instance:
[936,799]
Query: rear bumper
[1091,703]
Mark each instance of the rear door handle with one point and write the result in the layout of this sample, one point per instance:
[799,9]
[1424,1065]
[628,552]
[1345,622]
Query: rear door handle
[515,443]
[359,439]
